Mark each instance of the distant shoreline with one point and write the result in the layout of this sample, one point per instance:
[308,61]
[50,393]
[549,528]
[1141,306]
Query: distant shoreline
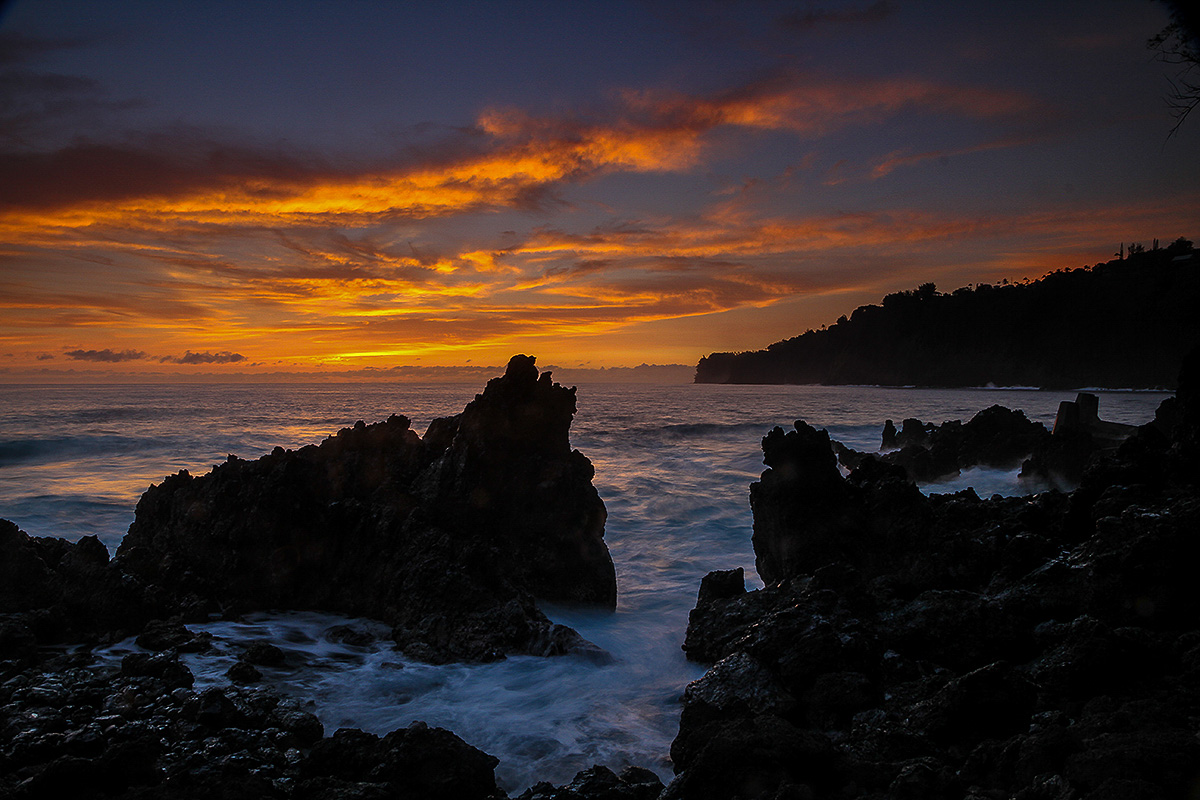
[1124,323]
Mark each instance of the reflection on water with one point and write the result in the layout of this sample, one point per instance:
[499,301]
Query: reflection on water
[673,465]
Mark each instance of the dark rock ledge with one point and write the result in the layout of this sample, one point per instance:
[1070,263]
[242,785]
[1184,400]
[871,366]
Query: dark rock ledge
[1039,648]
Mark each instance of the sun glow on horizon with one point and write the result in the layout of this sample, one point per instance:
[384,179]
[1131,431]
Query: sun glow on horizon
[651,220]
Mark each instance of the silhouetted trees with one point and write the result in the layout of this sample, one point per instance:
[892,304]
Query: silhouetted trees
[1124,323]
[1179,43]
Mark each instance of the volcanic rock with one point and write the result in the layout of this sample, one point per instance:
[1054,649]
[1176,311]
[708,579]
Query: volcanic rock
[995,437]
[54,591]
[143,734]
[1045,646]
[448,539]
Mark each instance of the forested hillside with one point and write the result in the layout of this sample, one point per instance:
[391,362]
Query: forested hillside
[1122,324]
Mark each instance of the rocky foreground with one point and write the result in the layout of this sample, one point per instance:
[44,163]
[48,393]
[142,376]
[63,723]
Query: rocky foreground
[447,538]
[1039,648]
[907,646]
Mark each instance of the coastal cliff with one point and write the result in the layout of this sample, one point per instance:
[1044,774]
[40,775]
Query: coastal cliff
[1126,323]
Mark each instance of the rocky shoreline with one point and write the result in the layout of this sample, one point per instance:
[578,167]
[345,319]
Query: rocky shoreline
[1043,647]
[905,646]
[449,540]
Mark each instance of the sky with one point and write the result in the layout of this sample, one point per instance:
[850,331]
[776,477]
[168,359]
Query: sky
[345,188]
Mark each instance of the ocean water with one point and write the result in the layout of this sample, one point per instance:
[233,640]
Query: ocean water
[673,465]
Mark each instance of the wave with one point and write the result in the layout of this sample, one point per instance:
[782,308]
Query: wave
[616,711]
[986,481]
[991,387]
[673,431]
[64,448]
[689,429]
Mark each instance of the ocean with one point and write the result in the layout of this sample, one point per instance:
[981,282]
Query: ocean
[673,465]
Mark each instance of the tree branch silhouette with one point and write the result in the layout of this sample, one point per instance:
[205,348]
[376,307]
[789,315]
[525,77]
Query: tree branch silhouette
[1179,43]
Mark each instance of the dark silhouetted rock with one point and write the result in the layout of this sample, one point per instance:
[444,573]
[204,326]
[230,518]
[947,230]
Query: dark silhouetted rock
[417,761]
[601,783]
[801,489]
[173,635]
[995,437]
[127,734]
[447,539]
[951,647]
[243,672]
[53,591]
[263,654]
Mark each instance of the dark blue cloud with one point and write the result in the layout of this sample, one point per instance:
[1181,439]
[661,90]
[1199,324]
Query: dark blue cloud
[224,357]
[107,355]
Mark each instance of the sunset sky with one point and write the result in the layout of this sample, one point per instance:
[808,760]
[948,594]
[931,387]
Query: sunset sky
[323,187]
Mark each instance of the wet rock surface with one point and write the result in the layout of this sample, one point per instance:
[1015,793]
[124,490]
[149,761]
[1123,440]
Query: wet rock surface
[73,729]
[906,646]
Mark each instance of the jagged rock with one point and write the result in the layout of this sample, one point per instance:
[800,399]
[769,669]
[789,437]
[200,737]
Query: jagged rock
[948,646]
[173,635]
[802,488]
[995,437]
[722,584]
[739,680]
[447,539]
[889,438]
[55,591]
[998,437]
[1080,435]
[97,733]
[263,654]
[417,761]
[510,471]
[600,783]
[164,666]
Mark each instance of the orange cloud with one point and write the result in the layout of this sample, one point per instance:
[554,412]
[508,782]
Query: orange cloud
[517,161]
[901,158]
[333,300]
[814,106]
[225,253]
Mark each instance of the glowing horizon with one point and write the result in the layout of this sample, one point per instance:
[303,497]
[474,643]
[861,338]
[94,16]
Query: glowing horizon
[653,220]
